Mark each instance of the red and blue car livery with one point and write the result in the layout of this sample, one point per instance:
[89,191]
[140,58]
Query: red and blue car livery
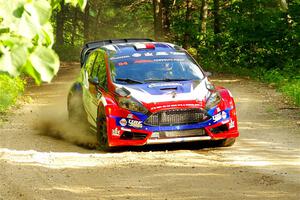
[134,92]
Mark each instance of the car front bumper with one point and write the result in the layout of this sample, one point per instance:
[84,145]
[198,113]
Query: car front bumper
[124,131]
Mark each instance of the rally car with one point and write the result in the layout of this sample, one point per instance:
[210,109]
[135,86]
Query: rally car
[134,92]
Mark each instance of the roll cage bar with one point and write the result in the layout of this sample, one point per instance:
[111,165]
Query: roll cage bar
[88,47]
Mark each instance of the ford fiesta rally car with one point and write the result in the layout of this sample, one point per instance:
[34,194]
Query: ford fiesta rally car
[135,92]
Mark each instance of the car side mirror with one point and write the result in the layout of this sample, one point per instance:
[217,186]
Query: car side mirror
[94,81]
[208,74]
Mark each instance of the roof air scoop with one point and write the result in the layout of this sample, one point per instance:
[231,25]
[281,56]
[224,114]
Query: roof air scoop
[142,46]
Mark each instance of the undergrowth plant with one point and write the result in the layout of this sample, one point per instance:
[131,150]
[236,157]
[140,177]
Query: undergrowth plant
[11,89]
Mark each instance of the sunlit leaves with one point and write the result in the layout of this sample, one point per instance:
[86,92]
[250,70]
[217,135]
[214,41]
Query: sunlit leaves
[26,37]
[80,3]
[45,62]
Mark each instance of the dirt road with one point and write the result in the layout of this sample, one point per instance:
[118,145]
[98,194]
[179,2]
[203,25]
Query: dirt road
[263,164]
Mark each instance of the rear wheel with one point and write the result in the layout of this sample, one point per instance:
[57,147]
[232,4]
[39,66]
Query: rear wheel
[225,142]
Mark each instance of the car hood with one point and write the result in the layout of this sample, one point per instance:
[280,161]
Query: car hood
[169,91]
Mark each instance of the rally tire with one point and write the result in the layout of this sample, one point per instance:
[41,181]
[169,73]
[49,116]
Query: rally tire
[102,137]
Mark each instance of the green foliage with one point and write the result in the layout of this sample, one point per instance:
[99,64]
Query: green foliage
[68,53]
[26,38]
[11,89]
[258,39]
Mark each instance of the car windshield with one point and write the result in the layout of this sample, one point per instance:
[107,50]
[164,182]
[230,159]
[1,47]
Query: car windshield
[142,68]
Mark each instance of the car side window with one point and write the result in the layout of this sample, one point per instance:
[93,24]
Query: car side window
[90,63]
[99,69]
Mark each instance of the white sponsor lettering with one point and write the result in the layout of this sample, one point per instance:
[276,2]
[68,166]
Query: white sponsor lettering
[148,54]
[119,57]
[162,53]
[178,53]
[168,60]
[217,117]
[135,123]
[136,55]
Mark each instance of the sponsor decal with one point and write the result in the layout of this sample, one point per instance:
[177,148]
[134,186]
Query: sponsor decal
[125,129]
[116,132]
[177,105]
[122,63]
[224,115]
[123,122]
[163,84]
[135,123]
[219,116]
[162,53]
[136,55]
[218,109]
[143,61]
[231,124]
[119,57]
[148,54]
[130,116]
[169,60]
[225,122]
[178,53]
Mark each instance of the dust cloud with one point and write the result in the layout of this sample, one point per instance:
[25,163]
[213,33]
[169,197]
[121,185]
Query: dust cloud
[58,126]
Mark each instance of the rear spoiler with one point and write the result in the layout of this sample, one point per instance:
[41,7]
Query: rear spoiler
[88,47]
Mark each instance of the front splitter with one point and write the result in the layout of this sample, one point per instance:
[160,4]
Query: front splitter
[177,140]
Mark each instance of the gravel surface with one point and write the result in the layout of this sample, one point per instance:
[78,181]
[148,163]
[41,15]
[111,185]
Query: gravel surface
[263,164]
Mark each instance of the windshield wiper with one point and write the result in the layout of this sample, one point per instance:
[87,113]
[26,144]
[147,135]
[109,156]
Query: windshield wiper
[167,80]
[128,80]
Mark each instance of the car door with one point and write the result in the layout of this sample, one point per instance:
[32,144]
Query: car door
[87,86]
[97,85]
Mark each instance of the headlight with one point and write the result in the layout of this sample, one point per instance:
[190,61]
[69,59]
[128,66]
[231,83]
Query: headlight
[213,100]
[131,104]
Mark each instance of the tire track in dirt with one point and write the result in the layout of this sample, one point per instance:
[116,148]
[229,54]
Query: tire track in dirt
[263,164]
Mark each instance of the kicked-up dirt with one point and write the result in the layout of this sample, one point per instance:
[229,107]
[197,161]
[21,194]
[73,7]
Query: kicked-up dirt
[263,164]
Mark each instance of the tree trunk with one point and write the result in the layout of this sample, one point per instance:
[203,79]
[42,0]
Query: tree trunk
[188,19]
[157,15]
[216,12]
[166,7]
[203,15]
[60,21]
[86,23]
[74,24]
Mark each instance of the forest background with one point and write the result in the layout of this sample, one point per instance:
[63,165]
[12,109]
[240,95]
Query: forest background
[255,38]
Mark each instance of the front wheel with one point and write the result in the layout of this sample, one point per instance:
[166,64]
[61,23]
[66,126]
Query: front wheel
[102,134]
[225,142]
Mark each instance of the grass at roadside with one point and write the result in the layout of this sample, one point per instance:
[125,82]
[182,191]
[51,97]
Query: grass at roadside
[10,89]
[286,82]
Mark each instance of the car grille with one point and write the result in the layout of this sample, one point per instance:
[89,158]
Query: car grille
[182,133]
[176,117]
